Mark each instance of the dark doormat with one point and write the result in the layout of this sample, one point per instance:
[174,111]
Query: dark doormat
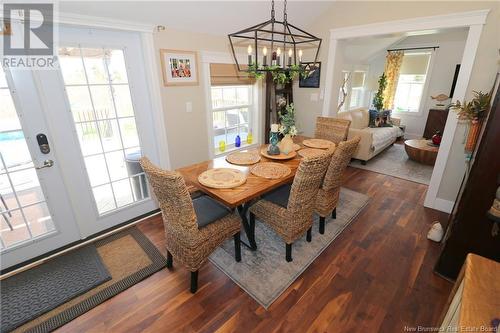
[126,257]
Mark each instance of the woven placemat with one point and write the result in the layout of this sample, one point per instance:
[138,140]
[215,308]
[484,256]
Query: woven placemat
[243,158]
[296,146]
[281,156]
[317,143]
[271,170]
[222,178]
[311,152]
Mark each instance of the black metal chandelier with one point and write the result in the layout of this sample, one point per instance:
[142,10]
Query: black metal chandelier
[284,42]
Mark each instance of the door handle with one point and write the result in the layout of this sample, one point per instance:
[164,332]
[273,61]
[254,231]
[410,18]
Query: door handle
[46,164]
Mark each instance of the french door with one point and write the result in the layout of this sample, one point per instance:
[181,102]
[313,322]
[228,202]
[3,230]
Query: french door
[35,213]
[99,123]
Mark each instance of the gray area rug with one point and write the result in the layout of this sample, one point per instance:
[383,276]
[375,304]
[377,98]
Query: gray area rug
[264,274]
[29,294]
[394,161]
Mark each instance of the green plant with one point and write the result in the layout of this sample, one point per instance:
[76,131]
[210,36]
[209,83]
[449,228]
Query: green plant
[279,75]
[378,100]
[287,119]
[474,110]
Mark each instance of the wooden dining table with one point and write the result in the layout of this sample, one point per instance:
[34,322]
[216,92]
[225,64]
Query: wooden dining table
[243,196]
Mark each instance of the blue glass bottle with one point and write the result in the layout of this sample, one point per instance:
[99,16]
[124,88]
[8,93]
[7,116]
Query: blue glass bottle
[237,141]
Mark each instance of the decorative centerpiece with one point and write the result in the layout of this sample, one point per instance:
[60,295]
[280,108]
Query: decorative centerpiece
[273,140]
[473,113]
[287,129]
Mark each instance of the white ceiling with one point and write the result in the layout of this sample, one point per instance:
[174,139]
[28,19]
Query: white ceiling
[212,17]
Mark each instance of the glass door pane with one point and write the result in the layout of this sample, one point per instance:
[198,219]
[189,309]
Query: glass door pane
[98,92]
[24,214]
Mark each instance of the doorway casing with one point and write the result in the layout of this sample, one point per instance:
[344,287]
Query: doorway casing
[473,20]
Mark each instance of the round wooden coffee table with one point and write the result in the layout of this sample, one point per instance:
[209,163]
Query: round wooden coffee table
[421,151]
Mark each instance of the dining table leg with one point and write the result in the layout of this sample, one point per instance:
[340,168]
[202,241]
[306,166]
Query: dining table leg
[248,226]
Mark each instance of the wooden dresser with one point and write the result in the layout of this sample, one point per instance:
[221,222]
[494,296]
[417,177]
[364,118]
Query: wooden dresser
[436,121]
[474,302]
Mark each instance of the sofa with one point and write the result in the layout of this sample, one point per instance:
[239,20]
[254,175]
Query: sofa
[373,140]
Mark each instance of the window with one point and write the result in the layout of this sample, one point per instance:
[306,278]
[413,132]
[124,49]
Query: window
[354,87]
[99,96]
[232,108]
[411,82]
[357,90]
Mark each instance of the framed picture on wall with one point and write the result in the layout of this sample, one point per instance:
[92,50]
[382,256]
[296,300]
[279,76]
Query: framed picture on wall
[179,68]
[312,77]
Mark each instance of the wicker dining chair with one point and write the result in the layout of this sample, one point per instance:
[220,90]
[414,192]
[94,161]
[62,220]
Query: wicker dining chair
[289,209]
[332,129]
[194,228]
[328,194]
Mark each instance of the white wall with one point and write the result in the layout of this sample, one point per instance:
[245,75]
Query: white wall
[451,46]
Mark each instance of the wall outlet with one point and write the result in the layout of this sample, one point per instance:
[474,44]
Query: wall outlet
[189,106]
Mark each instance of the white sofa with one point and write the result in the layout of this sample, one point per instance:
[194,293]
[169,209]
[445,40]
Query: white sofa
[373,140]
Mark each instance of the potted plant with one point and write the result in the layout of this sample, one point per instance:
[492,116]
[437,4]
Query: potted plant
[379,116]
[473,113]
[287,128]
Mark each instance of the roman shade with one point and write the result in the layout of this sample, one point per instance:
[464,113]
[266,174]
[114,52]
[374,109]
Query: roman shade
[415,64]
[228,75]
[358,79]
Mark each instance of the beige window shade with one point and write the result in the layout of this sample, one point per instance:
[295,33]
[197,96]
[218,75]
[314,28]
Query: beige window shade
[228,75]
[358,79]
[415,64]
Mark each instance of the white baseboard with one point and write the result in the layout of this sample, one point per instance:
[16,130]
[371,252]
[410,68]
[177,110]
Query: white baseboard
[443,205]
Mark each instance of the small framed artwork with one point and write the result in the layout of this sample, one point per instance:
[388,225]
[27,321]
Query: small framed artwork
[179,68]
[312,75]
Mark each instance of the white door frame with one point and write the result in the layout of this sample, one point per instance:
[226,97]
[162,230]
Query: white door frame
[474,20]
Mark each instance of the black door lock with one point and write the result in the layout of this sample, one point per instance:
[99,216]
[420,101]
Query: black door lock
[43,143]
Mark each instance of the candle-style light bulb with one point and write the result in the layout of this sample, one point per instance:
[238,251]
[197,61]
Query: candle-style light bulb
[300,55]
[278,54]
[249,50]
[264,52]
[290,52]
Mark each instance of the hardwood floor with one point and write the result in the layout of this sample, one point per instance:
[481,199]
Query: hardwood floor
[375,277]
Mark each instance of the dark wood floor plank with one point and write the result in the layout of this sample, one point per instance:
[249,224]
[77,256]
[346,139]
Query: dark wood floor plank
[376,276]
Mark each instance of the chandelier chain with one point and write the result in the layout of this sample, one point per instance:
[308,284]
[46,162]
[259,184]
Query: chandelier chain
[272,9]
[284,12]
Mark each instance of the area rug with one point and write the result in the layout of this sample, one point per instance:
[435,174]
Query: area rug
[31,293]
[128,256]
[395,162]
[264,274]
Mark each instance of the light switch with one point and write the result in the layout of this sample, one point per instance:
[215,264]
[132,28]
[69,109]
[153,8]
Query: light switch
[189,107]
[314,97]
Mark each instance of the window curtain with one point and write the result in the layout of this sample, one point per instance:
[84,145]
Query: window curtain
[393,62]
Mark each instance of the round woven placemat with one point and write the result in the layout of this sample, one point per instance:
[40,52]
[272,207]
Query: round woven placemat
[222,178]
[271,170]
[243,158]
[281,156]
[311,152]
[317,143]
[296,146]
